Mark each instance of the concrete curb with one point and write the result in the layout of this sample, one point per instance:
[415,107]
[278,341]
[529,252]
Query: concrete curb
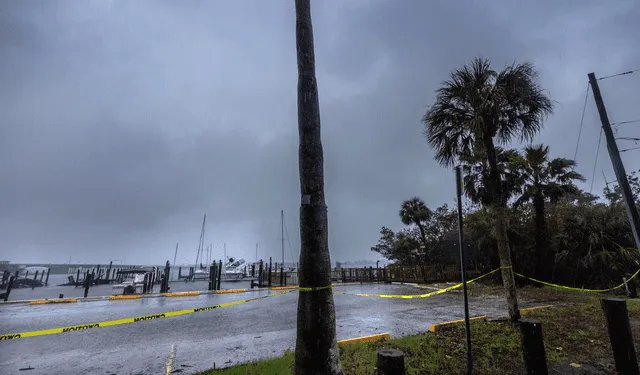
[435,327]
[371,338]
[528,309]
[154,295]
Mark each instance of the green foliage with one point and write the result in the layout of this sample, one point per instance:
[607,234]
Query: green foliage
[424,236]
[556,232]
[477,104]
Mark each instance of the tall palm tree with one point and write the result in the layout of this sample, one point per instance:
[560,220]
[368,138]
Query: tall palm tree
[316,346]
[415,211]
[475,108]
[543,180]
[476,175]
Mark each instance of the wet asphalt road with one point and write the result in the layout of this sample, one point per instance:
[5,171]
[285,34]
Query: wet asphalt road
[194,342]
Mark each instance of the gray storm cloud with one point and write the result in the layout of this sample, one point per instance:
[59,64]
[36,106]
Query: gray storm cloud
[121,123]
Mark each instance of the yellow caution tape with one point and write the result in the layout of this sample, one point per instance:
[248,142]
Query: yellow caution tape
[435,326]
[136,319]
[578,289]
[314,289]
[426,295]
[284,287]
[372,338]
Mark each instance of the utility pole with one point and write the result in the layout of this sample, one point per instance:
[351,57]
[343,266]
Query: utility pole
[282,234]
[462,269]
[618,167]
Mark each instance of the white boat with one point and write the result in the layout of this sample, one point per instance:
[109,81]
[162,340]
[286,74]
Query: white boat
[201,274]
[133,283]
[233,270]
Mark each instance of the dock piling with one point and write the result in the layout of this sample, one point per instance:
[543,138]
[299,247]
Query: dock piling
[269,282]
[6,295]
[46,281]
[87,284]
[281,276]
[212,269]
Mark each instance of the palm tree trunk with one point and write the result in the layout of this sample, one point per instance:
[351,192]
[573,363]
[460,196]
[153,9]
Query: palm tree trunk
[316,347]
[423,238]
[499,208]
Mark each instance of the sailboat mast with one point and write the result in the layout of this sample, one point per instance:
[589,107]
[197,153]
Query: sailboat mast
[200,250]
[175,255]
[282,234]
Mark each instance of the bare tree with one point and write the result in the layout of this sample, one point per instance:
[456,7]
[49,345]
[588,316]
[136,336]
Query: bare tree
[316,347]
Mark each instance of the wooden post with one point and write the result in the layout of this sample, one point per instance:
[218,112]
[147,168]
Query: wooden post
[269,282]
[9,286]
[219,274]
[624,353]
[46,281]
[535,361]
[87,283]
[35,277]
[260,275]
[41,276]
[390,362]
[109,271]
[164,285]
[212,277]
[26,275]
[281,276]
[77,277]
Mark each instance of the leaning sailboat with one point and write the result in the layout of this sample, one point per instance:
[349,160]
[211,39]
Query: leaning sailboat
[201,272]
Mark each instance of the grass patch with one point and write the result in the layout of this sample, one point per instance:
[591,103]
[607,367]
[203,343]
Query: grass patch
[574,333]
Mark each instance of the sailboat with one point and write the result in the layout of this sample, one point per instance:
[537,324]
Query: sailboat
[201,272]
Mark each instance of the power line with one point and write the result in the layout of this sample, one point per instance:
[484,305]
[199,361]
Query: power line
[629,139]
[623,122]
[630,149]
[619,74]
[584,108]
[593,174]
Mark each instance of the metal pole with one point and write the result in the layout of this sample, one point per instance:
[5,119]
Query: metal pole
[616,161]
[282,233]
[462,270]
